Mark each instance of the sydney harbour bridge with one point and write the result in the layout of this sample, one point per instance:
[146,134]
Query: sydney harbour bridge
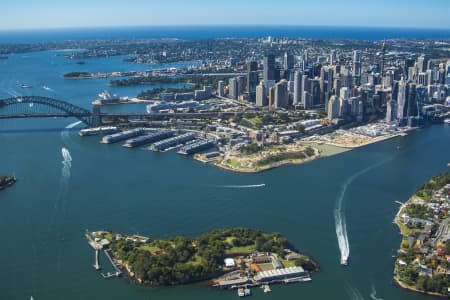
[44,107]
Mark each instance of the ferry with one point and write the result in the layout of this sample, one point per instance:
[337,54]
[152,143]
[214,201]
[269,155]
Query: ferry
[243,292]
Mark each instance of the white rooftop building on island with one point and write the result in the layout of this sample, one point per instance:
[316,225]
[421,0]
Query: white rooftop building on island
[230,263]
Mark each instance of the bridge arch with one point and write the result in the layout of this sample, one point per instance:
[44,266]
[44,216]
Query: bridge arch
[67,109]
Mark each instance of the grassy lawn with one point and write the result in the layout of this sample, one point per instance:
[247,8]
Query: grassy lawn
[236,250]
[151,249]
[233,162]
[288,263]
[256,120]
[403,228]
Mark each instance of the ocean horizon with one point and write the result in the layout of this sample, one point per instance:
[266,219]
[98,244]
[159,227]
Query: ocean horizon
[200,32]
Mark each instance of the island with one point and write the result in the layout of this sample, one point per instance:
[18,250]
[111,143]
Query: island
[6,181]
[227,258]
[422,264]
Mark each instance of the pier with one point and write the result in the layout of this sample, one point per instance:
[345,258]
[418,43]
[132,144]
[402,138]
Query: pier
[96,264]
[109,275]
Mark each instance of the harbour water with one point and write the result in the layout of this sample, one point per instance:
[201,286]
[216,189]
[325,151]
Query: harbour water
[68,184]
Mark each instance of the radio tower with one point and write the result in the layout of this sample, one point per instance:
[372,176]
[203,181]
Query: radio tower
[383,52]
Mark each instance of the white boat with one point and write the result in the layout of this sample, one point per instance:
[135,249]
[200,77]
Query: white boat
[98,130]
[447,121]
[344,261]
[46,88]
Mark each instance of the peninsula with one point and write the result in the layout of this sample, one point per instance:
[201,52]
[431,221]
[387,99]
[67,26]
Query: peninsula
[424,255]
[231,258]
[6,181]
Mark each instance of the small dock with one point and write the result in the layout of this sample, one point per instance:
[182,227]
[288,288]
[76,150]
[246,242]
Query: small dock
[109,275]
[96,264]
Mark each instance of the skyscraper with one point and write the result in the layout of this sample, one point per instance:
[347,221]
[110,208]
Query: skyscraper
[288,63]
[297,87]
[412,109]
[281,94]
[261,95]
[221,88]
[233,88]
[401,100]
[252,79]
[356,71]
[422,63]
[305,88]
[269,68]
[333,108]
[391,111]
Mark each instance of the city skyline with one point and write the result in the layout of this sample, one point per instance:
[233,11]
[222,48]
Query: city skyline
[350,13]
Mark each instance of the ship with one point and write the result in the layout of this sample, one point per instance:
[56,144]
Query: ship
[98,130]
[25,86]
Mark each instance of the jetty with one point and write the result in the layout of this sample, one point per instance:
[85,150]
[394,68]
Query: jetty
[109,275]
[96,264]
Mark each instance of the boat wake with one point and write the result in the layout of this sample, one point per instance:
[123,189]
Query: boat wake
[65,132]
[339,215]
[250,186]
[48,88]
[373,294]
[67,163]
[354,293]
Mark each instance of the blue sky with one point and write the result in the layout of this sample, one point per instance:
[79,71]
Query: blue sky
[25,14]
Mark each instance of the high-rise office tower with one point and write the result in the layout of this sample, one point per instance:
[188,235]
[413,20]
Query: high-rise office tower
[261,95]
[269,68]
[221,88]
[252,79]
[305,88]
[412,110]
[233,88]
[402,100]
[281,94]
[333,108]
[288,62]
[422,63]
[391,111]
[242,83]
[356,71]
[297,87]
[332,59]
[315,91]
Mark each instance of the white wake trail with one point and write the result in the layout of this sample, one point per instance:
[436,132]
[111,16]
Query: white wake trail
[373,294]
[243,186]
[339,216]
